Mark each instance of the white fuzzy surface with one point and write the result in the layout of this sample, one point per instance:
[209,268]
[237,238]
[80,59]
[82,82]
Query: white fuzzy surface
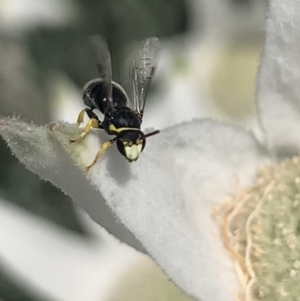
[35,148]
[57,264]
[166,197]
[279,77]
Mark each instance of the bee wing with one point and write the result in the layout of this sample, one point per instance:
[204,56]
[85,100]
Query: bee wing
[103,62]
[139,71]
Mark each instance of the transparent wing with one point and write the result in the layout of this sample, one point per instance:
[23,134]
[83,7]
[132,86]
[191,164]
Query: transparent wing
[139,70]
[103,62]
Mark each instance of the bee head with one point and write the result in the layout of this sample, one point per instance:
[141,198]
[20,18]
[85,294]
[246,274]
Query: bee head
[130,144]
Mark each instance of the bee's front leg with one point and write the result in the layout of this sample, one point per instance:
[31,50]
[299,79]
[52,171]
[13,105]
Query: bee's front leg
[103,148]
[93,123]
[81,116]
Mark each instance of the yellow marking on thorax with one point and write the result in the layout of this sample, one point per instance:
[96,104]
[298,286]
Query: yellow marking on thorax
[112,128]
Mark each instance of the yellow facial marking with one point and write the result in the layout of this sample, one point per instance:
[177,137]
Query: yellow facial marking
[133,152]
[138,142]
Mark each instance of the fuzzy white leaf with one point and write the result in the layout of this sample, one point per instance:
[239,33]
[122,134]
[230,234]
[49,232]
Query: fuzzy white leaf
[56,263]
[35,148]
[166,197]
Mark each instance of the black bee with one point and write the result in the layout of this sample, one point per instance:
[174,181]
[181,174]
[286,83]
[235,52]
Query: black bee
[123,114]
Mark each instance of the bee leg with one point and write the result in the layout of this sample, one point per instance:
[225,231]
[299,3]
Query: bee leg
[102,150]
[92,115]
[80,117]
[89,112]
[91,124]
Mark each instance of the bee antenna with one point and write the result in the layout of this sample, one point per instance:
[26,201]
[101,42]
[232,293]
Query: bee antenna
[152,134]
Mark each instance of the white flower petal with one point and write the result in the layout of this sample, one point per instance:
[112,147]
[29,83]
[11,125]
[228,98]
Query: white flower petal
[42,155]
[52,262]
[166,197]
[279,78]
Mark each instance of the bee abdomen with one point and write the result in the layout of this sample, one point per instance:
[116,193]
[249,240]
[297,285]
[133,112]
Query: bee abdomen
[94,96]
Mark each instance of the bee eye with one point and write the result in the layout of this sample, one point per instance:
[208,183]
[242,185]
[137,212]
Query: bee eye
[143,143]
[121,144]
